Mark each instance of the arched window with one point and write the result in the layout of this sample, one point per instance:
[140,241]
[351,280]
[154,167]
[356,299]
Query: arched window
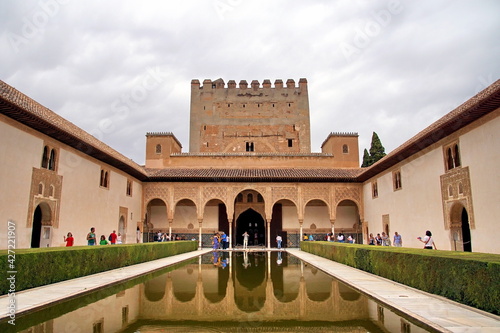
[260,198]
[158,149]
[460,188]
[457,156]
[40,189]
[249,197]
[45,157]
[52,190]
[345,149]
[52,160]
[106,179]
[397,180]
[239,198]
[129,188]
[101,182]
[375,190]
[450,191]
[449,158]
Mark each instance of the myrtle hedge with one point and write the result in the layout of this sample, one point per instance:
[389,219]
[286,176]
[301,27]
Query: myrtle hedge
[38,267]
[468,278]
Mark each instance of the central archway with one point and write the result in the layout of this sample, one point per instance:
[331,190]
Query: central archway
[253,223]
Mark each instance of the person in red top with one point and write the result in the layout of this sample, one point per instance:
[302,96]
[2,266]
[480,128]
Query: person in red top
[113,237]
[69,239]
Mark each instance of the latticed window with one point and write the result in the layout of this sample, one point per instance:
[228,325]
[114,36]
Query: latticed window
[158,149]
[45,157]
[397,180]
[345,149]
[452,156]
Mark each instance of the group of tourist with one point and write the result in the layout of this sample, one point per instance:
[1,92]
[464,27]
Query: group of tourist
[113,238]
[220,241]
[384,240]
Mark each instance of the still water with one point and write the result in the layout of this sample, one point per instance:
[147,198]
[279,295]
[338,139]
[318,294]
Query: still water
[223,292]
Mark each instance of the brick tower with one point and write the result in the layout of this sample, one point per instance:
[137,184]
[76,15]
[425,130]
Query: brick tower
[260,119]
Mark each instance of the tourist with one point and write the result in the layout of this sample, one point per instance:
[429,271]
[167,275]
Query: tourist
[158,236]
[112,237]
[215,241]
[119,238]
[350,239]
[340,238]
[138,235]
[378,240]
[279,240]
[245,240]
[311,237]
[398,241]
[103,240]
[305,237]
[223,239]
[69,239]
[91,240]
[428,241]
[371,239]
[385,239]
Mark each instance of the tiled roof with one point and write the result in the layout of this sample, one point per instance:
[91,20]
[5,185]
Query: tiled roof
[254,175]
[476,107]
[25,110]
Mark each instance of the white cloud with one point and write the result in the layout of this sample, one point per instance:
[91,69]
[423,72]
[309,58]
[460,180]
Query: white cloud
[410,67]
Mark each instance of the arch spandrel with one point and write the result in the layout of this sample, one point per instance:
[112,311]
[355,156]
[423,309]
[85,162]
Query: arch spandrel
[351,193]
[156,191]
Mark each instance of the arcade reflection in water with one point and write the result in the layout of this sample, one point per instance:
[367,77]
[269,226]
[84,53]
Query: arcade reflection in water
[236,291]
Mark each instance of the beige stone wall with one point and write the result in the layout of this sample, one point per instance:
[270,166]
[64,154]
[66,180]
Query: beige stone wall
[480,151]
[424,204]
[20,152]
[82,203]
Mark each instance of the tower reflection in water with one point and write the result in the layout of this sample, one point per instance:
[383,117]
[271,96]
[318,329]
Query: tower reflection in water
[234,292]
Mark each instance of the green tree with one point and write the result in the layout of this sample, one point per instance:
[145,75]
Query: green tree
[377,151]
[366,159]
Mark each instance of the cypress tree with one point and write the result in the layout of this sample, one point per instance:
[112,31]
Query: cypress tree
[366,159]
[377,151]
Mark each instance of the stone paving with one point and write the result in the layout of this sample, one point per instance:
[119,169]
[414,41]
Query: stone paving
[437,312]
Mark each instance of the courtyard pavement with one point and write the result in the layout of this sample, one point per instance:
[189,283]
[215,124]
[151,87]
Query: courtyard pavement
[436,312]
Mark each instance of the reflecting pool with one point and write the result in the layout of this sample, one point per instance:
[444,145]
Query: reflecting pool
[223,292]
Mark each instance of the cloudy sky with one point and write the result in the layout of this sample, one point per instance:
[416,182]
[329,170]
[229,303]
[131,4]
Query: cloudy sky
[119,69]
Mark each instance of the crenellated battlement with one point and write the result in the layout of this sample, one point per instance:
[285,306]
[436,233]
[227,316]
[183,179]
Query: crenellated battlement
[243,84]
[343,134]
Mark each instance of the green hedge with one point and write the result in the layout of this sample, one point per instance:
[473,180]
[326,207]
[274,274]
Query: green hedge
[468,278]
[38,267]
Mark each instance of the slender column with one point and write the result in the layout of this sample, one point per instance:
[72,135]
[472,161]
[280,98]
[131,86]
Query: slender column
[200,224]
[333,226]
[230,233]
[301,233]
[268,232]
[170,221]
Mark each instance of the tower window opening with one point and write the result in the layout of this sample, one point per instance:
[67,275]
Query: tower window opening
[290,142]
[249,146]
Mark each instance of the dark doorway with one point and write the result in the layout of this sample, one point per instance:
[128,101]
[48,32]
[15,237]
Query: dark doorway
[223,221]
[37,228]
[466,231]
[253,223]
[277,225]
